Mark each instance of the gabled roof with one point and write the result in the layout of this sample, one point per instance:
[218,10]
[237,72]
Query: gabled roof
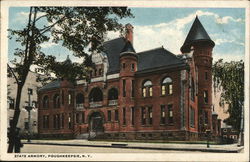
[113,49]
[157,58]
[51,85]
[196,33]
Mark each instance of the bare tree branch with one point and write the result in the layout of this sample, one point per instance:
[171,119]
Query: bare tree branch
[13,73]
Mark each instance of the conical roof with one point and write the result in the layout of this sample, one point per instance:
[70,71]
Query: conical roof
[128,48]
[197,33]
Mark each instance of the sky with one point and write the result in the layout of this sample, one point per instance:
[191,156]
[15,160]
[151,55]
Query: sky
[167,27]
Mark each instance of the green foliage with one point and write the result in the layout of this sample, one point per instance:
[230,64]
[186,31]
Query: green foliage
[80,29]
[229,77]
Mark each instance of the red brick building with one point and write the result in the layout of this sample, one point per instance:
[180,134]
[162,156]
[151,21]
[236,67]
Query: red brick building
[148,95]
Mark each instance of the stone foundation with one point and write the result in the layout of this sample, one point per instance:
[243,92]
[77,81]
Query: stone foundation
[166,136]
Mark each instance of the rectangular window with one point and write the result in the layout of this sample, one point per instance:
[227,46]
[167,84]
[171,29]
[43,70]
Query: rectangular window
[116,115]
[163,90]
[170,114]
[206,117]
[123,66]
[132,115]
[54,121]
[11,103]
[62,120]
[69,99]
[150,115]
[150,91]
[30,91]
[47,121]
[34,123]
[133,89]
[124,116]
[100,71]
[109,115]
[69,121]
[44,123]
[143,116]
[170,89]
[62,94]
[77,118]
[83,117]
[132,67]
[95,72]
[192,117]
[10,121]
[58,121]
[144,92]
[206,96]
[124,87]
[163,116]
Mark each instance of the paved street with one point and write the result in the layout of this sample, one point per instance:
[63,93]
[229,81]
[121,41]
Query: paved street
[28,148]
[108,146]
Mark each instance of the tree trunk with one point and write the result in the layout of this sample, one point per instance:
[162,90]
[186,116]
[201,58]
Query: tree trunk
[12,134]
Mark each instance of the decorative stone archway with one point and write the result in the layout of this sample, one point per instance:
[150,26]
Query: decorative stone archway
[96,123]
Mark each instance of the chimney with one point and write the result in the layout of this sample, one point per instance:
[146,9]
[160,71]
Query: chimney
[129,33]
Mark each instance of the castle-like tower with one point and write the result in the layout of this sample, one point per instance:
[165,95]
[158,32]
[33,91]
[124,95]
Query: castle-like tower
[150,95]
[199,41]
[128,67]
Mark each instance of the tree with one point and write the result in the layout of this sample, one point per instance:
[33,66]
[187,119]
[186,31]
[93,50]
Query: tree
[80,29]
[229,76]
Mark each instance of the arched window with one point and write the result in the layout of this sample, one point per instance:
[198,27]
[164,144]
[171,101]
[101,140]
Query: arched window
[113,94]
[56,101]
[96,95]
[45,102]
[192,90]
[147,89]
[167,86]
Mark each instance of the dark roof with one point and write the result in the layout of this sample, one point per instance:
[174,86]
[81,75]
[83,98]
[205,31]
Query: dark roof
[128,47]
[157,58]
[113,49]
[196,33]
[51,85]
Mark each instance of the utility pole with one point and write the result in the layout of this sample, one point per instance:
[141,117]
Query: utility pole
[241,134]
[29,108]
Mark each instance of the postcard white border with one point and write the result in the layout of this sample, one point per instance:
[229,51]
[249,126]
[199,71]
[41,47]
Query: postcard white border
[125,157]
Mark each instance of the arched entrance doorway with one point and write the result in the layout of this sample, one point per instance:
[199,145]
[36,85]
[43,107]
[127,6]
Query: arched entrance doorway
[95,124]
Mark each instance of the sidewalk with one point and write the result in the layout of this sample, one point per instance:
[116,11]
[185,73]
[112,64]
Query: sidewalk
[232,148]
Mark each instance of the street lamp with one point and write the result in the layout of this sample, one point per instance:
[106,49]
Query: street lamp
[207,131]
[29,108]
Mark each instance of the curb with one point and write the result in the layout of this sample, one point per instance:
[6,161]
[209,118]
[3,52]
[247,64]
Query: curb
[141,147]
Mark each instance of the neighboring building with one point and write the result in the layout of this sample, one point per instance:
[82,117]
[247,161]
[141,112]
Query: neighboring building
[31,85]
[148,95]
